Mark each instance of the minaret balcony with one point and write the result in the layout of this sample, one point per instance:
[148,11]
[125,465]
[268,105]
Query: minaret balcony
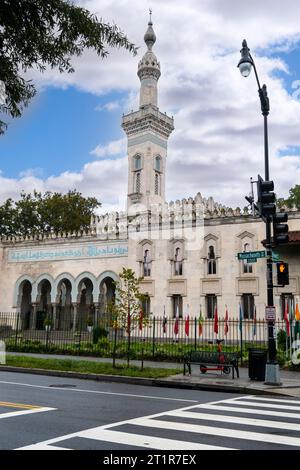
[135,197]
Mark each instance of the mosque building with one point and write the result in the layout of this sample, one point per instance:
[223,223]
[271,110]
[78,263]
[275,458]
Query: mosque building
[185,251]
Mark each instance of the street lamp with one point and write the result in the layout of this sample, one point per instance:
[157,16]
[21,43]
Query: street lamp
[245,65]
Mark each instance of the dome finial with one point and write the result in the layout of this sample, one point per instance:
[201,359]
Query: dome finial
[150,37]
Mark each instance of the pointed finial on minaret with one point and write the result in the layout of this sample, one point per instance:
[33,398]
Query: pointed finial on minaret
[150,37]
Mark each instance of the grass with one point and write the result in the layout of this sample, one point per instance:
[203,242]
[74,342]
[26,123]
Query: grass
[69,365]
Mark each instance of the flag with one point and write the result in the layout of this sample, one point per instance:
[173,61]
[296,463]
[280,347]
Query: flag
[164,321]
[176,325]
[141,319]
[297,324]
[254,321]
[297,312]
[241,318]
[187,325]
[286,318]
[200,323]
[216,326]
[226,322]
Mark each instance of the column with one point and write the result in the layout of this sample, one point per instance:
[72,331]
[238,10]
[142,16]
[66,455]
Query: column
[75,311]
[32,325]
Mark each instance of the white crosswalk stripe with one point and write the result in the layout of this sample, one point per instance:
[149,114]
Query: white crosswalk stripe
[224,424]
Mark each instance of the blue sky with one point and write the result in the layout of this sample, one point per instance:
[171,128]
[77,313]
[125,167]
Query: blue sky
[70,135]
[57,132]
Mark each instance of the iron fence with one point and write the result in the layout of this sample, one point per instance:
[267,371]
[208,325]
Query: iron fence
[156,338]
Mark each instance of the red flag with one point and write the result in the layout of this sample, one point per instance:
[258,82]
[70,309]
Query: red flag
[176,326]
[226,322]
[187,326]
[216,326]
[286,318]
[141,319]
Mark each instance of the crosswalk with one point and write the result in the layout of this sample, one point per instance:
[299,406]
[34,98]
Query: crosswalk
[244,422]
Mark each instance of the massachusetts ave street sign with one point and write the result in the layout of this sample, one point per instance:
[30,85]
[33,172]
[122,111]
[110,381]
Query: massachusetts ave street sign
[252,255]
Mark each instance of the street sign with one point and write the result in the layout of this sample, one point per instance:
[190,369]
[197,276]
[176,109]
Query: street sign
[270,313]
[252,255]
[254,260]
[275,256]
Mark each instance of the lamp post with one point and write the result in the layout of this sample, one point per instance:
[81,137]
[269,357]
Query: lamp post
[245,65]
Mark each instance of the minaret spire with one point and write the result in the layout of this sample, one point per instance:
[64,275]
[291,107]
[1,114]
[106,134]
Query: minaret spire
[149,69]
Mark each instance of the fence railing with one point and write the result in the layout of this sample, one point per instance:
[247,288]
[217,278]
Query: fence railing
[156,339]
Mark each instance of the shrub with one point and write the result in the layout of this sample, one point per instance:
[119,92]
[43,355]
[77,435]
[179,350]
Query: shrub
[98,333]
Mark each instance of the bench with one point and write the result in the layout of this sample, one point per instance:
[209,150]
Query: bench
[214,359]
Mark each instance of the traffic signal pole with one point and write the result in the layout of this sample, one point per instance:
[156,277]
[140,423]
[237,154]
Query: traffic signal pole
[272,368]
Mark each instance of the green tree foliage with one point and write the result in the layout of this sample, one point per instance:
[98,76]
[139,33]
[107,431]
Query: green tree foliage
[127,307]
[40,33]
[294,197]
[45,213]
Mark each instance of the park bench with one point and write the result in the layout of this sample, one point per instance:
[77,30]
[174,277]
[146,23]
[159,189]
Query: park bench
[212,360]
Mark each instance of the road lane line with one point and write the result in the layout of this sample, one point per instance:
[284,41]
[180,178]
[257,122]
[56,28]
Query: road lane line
[151,397]
[13,414]
[8,404]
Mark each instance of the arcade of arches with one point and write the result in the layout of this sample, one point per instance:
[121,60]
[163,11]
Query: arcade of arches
[68,302]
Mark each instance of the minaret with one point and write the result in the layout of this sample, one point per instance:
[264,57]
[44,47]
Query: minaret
[147,131]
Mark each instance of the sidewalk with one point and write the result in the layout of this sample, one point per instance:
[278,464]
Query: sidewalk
[214,381]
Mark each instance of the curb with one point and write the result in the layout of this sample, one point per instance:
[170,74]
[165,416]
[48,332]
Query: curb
[142,381]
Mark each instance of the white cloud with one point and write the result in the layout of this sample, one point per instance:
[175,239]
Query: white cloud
[115,147]
[110,106]
[218,139]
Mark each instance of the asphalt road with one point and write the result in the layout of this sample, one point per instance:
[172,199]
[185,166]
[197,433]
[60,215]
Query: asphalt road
[40,412]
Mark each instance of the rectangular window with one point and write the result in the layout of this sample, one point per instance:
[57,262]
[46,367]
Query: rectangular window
[248,306]
[211,303]
[146,305]
[177,305]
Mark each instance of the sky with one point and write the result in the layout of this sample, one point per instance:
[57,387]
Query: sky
[70,136]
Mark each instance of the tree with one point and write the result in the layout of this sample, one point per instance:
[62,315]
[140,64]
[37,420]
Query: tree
[40,33]
[294,197]
[127,306]
[49,213]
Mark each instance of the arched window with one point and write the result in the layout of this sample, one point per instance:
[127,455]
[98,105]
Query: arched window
[247,267]
[211,261]
[158,163]
[178,262]
[137,162]
[138,182]
[147,264]
[157,184]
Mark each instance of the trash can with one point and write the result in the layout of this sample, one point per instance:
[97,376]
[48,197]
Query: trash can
[257,364]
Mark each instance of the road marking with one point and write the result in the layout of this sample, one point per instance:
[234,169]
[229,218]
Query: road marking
[280,400]
[234,419]
[13,414]
[141,440]
[7,404]
[245,410]
[43,446]
[99,392]
[216,431]
[264,405]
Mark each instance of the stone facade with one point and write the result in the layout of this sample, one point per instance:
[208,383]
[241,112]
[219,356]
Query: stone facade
[186,251]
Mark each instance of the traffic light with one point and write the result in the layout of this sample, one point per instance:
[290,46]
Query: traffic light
[280,229]
[282,273]
[265,198]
